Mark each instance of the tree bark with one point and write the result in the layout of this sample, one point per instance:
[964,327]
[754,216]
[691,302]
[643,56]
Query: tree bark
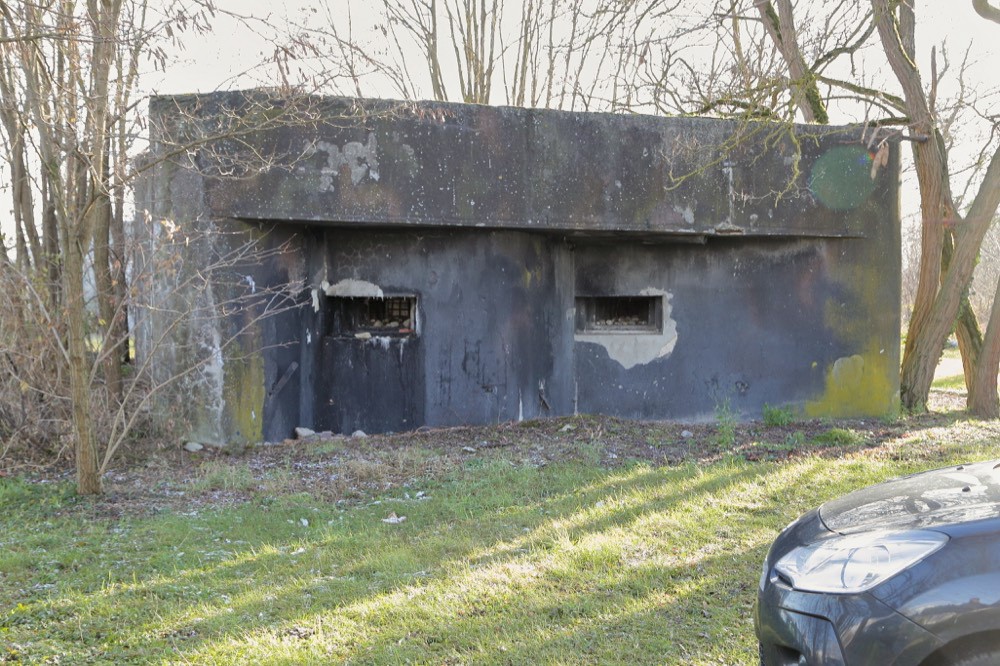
[23,208]
[970,341]
[88,479]
[983,400]
[941,318]
[780,27]
[94,214]
[923,343]
[967,332]
[983,391]
[984,9]
[51,243]
[106,293]
[119,330]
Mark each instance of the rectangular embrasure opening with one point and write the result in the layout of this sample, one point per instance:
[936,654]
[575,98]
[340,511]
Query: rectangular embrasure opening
[391,315]
[619,314]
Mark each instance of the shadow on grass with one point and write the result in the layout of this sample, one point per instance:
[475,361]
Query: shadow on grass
[565,564]
[501,562]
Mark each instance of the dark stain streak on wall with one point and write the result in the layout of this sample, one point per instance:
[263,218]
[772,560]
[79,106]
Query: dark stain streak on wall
[441,252]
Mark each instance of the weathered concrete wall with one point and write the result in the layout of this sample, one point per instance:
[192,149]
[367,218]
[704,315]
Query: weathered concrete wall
[491,345]
[771,253]
[217,320]
[175,322]
[433,164]
[749,324]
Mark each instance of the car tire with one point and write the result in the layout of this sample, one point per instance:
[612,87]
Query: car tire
[977,658]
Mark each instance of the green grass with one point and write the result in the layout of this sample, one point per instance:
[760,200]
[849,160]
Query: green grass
[777,416]
[953,383]
[496,563]
[725,420]
[844,437]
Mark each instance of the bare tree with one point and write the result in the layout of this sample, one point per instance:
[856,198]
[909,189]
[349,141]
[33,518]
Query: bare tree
[67,87]
[950,240]
[941,288]
[63,88]
[566,54]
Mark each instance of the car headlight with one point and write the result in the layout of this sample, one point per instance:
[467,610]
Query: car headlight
[857,562]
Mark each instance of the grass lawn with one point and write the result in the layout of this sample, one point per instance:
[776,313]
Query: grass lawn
[950,376]
[492,556]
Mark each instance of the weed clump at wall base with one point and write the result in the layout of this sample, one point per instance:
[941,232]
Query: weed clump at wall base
[777,416]
[843,437]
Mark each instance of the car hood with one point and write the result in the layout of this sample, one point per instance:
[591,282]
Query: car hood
[929,499]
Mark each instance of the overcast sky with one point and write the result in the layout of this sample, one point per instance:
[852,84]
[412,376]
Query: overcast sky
[222,61]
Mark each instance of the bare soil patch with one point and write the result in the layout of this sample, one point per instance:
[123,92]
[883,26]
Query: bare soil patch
[346,469]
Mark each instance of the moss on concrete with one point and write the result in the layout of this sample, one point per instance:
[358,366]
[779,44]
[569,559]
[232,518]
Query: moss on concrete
[244,395]
[857,385]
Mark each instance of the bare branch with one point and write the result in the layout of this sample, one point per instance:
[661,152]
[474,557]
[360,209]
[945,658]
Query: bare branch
[987,11]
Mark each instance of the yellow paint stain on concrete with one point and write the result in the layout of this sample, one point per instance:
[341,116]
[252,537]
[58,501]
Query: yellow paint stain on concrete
[864,383]
[530,277]
[857,385]
[244,393]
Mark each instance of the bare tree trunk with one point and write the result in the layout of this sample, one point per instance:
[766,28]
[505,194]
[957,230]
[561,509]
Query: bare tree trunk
[88,479]
[945,308]
[24,214]
[942,300]
[967,332]
[63,93]
[923,342]
[987,11]
[970,341]
[983,400]
[94,215]
[983,391]
[51,242]
[29,249]
[119,330]
[106,293]
[781,28]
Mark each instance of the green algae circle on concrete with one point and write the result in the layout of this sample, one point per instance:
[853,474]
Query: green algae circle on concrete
[841,178]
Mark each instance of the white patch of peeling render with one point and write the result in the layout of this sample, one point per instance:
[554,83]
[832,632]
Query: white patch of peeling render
[315,298]
[211,375]
[687,213]
[361,160]
[632,349]
[352,288]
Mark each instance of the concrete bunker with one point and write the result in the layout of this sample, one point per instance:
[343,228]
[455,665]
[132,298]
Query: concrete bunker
[465,265]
